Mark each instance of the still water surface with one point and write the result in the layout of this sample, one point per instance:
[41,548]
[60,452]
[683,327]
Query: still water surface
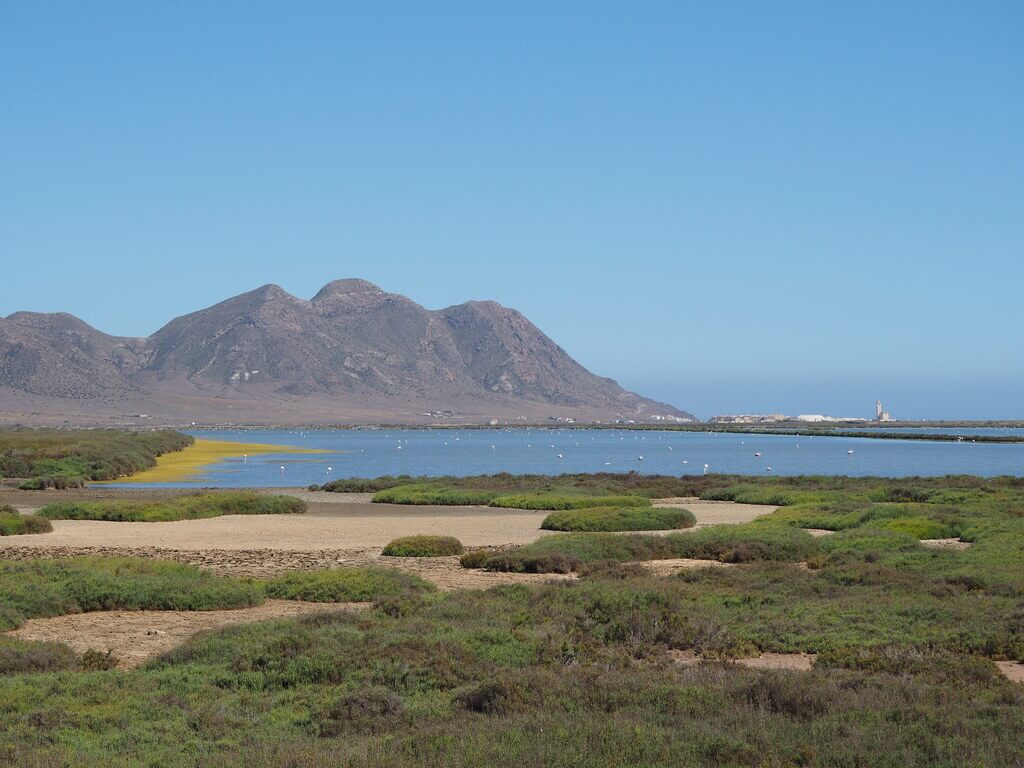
[375,452]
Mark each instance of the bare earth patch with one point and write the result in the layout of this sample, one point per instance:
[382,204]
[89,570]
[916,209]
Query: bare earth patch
[716,512]
[136,636]
[1012,670]
[790,661]
[945,544]
[816,532]
[674,565]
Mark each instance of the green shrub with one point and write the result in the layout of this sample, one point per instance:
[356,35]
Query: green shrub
[423,546]
[13,523]
[433,495]
[346,585]
[613,519]
[194,507]
[37,588]
[20,656]
[923,527]
[563,553]
[475,558]
[559,502]
[745,543]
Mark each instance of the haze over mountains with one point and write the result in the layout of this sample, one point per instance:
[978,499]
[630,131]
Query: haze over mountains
[354,353]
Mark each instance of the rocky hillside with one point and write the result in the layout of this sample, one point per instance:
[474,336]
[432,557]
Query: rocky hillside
[351,343]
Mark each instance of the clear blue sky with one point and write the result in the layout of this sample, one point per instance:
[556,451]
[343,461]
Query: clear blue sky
[738,206]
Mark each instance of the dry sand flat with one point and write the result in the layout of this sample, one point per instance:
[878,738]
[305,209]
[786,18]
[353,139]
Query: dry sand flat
[716,512]
[338,526]
[338,521]
[135,636]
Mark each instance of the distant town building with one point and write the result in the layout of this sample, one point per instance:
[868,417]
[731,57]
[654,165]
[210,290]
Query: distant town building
[817,417]
[749,418]
[881,415]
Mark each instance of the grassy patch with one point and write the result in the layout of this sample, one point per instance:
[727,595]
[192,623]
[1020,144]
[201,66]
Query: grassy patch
[180,508]
[35,588]
[750,542]
[13,523]
[423,546]
[343,585]
[618,519]
[433,494]
[551,501]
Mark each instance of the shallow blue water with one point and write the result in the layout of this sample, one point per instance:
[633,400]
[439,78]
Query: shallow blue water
[374,452]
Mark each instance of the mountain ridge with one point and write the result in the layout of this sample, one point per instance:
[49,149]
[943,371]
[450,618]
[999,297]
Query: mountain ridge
[353,345]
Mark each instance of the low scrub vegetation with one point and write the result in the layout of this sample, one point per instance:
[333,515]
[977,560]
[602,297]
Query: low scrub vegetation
[13,523]
[59,458]
[346,585]
[562,501]
[726,543]
[619,519]
[193,507]
[423,546]
[37,588]
[578,672]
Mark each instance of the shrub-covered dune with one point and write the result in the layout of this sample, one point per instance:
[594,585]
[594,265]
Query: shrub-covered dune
[619,519]
[181,508]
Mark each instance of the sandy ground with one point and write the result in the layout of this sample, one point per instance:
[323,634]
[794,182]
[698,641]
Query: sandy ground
[334,521]
[790,661]
[716,512]
[955,544]
[338,530]
[669,567]
[1012,670]
[135,636]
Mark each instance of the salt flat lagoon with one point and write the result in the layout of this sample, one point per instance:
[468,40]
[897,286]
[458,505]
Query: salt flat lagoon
[435,452]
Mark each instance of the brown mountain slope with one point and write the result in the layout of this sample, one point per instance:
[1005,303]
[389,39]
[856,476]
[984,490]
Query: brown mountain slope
[352,348]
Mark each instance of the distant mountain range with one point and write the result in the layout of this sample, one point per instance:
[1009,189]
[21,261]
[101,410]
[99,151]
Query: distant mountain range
[354,353]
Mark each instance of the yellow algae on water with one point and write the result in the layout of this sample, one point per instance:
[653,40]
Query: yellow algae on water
[179,466]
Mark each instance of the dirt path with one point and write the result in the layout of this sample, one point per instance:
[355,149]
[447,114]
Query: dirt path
[136,636]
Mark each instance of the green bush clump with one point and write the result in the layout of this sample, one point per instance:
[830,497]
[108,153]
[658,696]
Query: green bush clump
[13,523]
[547,501]
[195,507]
[567,552]
[20,656]
[745,543]
[423,546]
[750,542]
[433,495]
[346,585]
[36,588]
[922,527]
[618,519]
[363,484]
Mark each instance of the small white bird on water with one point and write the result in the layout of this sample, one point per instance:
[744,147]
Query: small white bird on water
[849,452]
[559,456]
